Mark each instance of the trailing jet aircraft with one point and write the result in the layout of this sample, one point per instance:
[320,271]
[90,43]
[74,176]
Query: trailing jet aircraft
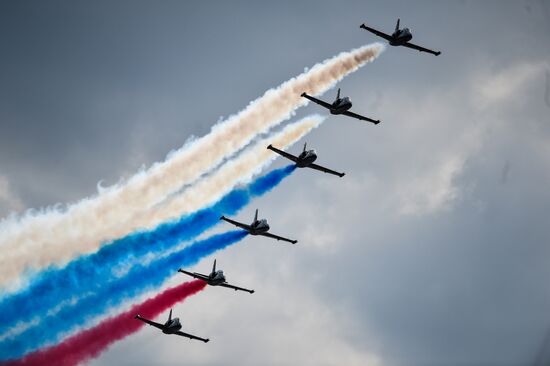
[340,106]
[305,160]
[258,227]
[215,278]
[399,37]
[172,326]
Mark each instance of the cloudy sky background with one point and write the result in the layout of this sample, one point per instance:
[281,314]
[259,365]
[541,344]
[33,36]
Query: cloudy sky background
[432,250]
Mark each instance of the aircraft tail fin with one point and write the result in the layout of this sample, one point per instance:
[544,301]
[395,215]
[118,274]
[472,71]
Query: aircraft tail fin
[170,315]
[397,25]
[214,267]
[305,146]
[256,216]
[338,94]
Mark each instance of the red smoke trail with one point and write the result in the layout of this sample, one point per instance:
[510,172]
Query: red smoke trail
[90,343]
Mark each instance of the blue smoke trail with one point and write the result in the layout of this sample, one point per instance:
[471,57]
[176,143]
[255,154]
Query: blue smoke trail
[140,278]
[89,272]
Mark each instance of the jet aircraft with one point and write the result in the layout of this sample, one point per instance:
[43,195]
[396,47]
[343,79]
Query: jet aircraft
[172,326]
[399,37]
[339,106]
[257,227]
[305,160]
[215,278]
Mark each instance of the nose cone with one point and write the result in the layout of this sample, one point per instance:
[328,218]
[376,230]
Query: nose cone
[313,155]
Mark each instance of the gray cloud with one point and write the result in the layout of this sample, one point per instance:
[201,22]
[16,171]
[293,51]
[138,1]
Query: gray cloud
[9,202]
[92,91]
[547,89]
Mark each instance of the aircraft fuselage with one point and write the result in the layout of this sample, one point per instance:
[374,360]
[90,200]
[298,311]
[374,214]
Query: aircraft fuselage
[400,37]
[340,105]
[172,326]
[306,158]
[216,278]
[258,227]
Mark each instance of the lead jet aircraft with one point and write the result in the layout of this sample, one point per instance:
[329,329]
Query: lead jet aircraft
[258,227]
[399,37]
[305,160]
[215,278]
[339,106]
[172,326]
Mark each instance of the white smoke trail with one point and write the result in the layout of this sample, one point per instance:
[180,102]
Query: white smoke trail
[94,220]
[204,192]
[239,170]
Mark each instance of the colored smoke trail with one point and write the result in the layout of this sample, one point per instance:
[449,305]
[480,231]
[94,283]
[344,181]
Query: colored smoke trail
[211,188]
[238,170]
[54,284]
[92,221]
[89,273]
[90,343]
[141,278]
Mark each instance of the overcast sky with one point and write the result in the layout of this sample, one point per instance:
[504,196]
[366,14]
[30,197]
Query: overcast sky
[434,249]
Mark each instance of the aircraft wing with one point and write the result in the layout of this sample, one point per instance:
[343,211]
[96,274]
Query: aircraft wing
[282,153]
[236,223]
[421,49]
[362,118]
[326,170]
[279,238]
[318,101]
[377,32]
[190,336]
[194,274]
[235,287]
[150,322]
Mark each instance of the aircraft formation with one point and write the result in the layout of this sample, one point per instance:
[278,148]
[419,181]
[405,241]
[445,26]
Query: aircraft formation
[340,106]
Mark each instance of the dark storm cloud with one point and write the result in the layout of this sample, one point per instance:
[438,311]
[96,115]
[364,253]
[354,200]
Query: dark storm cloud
[505,172]
[547,89]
